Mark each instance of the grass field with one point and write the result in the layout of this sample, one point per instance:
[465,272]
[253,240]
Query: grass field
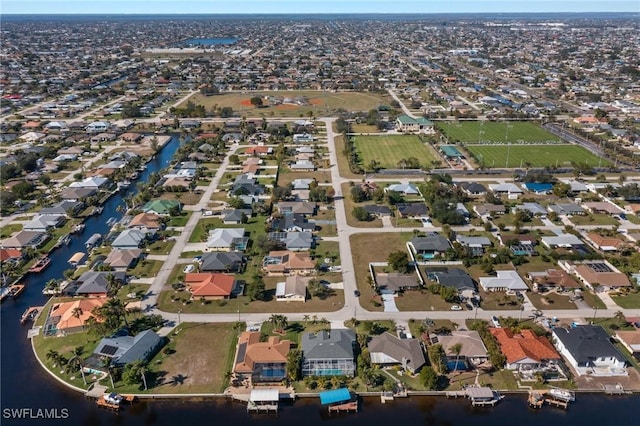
[319,102]
[534,155]
[390,149]
[495,132]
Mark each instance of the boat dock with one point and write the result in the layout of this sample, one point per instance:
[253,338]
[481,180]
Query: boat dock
[263,401]
[616,389]
[347,407]
[479,396]
[339,400]
[102,403]
[30,314]
[535,399]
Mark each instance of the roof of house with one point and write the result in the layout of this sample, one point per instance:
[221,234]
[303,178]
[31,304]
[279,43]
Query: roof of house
[294,285]
[604,241]
[504,279]
[608,278]
[127,349]
[587,342]
[603,206]
[71,193]
[566,208]
[533,208]
[472,187]
[473,241]
[506,187]
[333,344]
[281,261]
[377,209]
[630,337]
[387,348]
[252,351]
[452,277]
[206,284]
[92,282]
[118,258]
[562,240]
[160,206]
[129,238]
[395,281]
[431,242]
[145,220]
[483,209]
[66,311]
[221,261]
[472,345]
[556,277]
[23,239]
[302,207]
[9,253]
[404,188]
[412,209]
[224,237]
[526,344]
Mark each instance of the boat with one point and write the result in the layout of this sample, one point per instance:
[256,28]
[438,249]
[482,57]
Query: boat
[11,291]
[30,314]
[78,228]
[4,293]
[562,394]
[65,239]
[112,221]
[40,265]
[124,185]
[110,400]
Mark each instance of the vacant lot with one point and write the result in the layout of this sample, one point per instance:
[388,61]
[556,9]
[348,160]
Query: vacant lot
[533,155]
[202,353]
[318,102]
[388,150]
[495,132]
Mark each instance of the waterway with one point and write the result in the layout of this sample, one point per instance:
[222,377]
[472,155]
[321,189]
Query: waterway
[25,386]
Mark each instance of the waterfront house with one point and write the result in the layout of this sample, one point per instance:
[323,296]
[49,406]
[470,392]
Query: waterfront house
[123,350]
[227,239]
[525,350]
[122,259]
[10,255]
[70,317]
[63,208]
[386,350]
[589,351]
[473,352]
[146,222]
[43,223]
[261,361]
[76,194]
[92,182]
[503,281]
[293,289]
[98,283]
[209,286]
[328,353]
[288,262]
[130,239]
[25,239]
[161,207]
[221,261]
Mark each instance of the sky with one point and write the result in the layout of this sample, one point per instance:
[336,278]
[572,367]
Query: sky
[310,6]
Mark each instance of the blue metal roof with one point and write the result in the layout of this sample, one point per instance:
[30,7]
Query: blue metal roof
[538,187]
[333,396]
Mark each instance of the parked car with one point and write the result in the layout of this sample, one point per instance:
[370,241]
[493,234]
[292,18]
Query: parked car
[356,293]
[496,322]
[189,268]
[456,308]
[197,259]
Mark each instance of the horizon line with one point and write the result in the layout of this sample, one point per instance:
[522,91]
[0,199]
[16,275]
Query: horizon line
[319,13]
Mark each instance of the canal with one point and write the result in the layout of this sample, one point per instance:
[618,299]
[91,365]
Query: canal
[23,383]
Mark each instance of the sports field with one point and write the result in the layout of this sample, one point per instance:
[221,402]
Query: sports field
[388,150]
[318,102]
[534,155]
[495,132]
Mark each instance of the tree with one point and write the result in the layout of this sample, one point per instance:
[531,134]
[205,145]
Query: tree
[429,378]
[317,289]
[257,101]
[294,364]
[456,349]
[361,214]
[279,322]
[77,313]
[399,261]
[619,316]
[234,159]
[256,288]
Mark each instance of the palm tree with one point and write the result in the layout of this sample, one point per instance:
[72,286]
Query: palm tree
[279,322]
[306,318]
[456,349]
[53,356]
[77,313]
[76,362]
[620,317]
[106,363]
[142,367]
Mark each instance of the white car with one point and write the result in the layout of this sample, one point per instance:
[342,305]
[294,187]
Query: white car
[189,268]
[456,308]
[496,322]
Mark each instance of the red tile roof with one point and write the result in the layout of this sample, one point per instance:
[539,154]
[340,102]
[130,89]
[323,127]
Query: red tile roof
[209,285]
[527,344]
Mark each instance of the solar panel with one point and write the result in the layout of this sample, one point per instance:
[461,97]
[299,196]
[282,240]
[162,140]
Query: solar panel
[600,267]
[242,350]
[108,350]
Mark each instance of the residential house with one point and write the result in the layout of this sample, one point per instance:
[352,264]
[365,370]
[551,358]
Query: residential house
[562,240]
[10,255]
[386,350]
[123,350]
[596,274]
[98,126]
[452,277]
[261,361]
[227,239]
[520,244]
[472,349]
[146,222]
[161,207]
[404,189]
[301,184]
[235,216]
[588,350]
[429,246]
[92,182]
[505,188]
[552,278]
[475,245]
[302,166]
[293,289]
[122,259]
[525,350]
[532,208]
[394,282]
[503,281]
[295,222]
[483,210]
[72,316]
[209,286]
[259,150]
[603,207]
[44,222]
[230,261]
[566,209]
[301,207]
[288,262]
[412,210]
[97,283]
[630,340]
[378,210]
[245,184]
[328,353]
[472,189]
[76,194]
[302,138]
[25,239]
[63,208]
[605,243]
[294,241]
[129,239]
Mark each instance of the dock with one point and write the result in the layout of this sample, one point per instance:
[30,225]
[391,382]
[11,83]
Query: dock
[347,407]
[339,400]
[535,399]
[30,314]
[102,403]
[557,402]
[263,401]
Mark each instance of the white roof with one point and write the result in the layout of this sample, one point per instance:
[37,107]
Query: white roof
[504,279]
[264,395]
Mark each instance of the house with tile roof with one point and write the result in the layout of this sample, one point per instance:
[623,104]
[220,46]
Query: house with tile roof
[70,317]
[552,278]
[122,259]
[605,243]
[630,339]
[261,361]
[147,222]
[596,274]
[210,286]
[525,350]
[387,349]
[588,350]
[161,207]
[287,262]
[24,239]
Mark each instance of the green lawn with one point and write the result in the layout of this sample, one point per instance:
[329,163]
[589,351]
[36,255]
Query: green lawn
[628,301]
[495,132]
[594,219]
[388,150]
[533,155]
[6,231]
[146,268]
[180,220]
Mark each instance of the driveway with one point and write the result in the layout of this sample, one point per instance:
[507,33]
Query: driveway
[389,301]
